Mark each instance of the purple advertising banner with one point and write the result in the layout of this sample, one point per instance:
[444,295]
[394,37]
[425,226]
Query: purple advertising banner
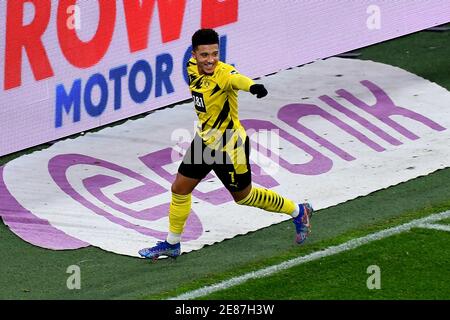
[68,66]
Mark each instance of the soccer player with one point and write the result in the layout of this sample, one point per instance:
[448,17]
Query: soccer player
[221,144]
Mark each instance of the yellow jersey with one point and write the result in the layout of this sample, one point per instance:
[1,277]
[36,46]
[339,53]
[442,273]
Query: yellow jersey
[216,103]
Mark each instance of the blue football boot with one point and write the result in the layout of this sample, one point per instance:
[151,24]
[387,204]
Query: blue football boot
[302,222]
[162,248]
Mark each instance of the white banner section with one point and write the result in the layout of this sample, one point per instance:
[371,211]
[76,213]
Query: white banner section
[336,129]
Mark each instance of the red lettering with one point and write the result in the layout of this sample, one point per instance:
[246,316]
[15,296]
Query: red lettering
[29,36]
[171,14]
[138,16]
[85,54]
[216,13]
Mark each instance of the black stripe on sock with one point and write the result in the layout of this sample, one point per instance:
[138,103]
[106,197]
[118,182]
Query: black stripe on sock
[270,199]
[277,203]
[259,196]
[250,200]
[247,201]
[282,203]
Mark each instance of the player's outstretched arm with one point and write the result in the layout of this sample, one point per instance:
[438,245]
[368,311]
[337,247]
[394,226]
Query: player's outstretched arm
[241,82]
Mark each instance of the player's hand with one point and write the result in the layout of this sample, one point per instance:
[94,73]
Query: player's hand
[258,90]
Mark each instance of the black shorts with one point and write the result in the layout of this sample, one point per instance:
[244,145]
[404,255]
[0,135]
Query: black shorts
[231,167]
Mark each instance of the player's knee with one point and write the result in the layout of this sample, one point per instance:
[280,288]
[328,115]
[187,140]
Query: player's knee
[176,189]
[236,199]
[179,188]
[241,195]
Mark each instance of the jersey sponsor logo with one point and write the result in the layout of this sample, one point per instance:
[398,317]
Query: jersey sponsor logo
[199,103]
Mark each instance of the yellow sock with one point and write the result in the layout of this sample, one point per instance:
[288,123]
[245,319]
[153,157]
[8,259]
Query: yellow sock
[268,200]
[179,210]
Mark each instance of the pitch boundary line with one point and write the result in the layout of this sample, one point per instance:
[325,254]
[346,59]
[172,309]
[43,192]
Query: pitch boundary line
[349,245]
[440,227]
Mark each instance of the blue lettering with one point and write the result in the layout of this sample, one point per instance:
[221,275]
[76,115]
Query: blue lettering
[116,75]
[144,67]
[65,102]
[186,57]
[223,48]
[164,67]
[95,99]
[91,109]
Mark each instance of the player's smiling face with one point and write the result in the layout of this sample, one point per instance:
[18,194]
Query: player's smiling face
[207,56]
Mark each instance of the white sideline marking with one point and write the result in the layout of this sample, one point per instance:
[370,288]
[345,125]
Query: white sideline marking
[436,226]
[352,244]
